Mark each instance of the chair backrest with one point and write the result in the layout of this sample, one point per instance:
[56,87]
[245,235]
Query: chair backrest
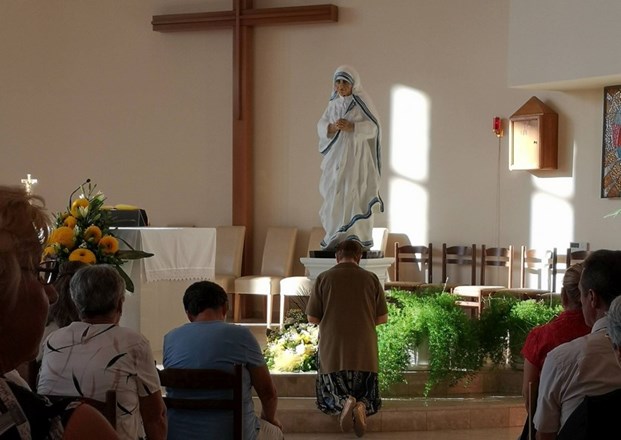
[230,249]
[380,239]
[210,380]
[314,240]
[460,256]
[496,257]
[574,257]
[411,261]
[394,237]
[317,234]
[594,418]
[541,264]
[278,251]
[107,407]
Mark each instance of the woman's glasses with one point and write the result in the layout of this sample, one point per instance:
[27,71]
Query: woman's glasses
[47,271]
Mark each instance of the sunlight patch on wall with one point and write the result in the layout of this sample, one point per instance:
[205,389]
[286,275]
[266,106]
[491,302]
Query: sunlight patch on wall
[408,211]
[409,133]
[562,187]
[551,221]
[552,210]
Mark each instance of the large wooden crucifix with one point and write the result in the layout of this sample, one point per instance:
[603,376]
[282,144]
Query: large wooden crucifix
[242,19]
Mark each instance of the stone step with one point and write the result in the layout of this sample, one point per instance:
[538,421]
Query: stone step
[300,414]
[498,381]
[490,399]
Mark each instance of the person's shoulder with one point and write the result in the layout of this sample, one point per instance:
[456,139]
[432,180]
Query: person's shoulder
[130,336]
[567,351]
[183,328]
[236,329]
[69,331]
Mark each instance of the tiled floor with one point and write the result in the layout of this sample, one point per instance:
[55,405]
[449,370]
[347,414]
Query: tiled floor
[470,434]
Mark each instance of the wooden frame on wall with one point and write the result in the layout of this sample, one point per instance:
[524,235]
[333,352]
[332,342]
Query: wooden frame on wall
[611,144]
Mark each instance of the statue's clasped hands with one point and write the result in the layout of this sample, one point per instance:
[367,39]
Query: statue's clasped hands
[344,125]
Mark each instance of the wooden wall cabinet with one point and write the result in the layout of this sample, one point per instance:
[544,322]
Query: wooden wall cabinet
[533,137]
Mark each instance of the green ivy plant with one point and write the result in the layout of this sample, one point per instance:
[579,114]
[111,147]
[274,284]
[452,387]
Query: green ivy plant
[451,335]
[459,346]
[506,321]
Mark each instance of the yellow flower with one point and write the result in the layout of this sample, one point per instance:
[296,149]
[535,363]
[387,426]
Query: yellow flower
[83,255]
[92,234]
[63,236]
[78,207]
[70,221]
[109,244]
[49,251]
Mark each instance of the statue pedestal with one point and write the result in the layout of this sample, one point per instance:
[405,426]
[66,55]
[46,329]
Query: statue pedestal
[379,266]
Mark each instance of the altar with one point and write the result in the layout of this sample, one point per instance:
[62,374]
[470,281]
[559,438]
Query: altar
[379,266]
[181,257]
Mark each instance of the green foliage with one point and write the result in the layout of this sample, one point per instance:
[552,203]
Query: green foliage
[506,321]
[452,337]
[458,345]
[493,328]
[524,316]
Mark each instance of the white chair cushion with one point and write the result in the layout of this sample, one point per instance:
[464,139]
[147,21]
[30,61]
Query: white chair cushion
[296,286]
[258,285]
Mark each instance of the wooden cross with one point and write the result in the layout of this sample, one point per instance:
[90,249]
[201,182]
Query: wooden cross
[242,18]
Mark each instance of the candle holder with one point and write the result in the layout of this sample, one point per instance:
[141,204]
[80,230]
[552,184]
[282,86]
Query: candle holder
[497,127]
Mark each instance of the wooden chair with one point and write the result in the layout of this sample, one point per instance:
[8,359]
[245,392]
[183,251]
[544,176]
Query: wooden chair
[471,296]
[107,407]
[296,286]
[574,257]
[460,257]
[419,261]
[380,239]
[394,237]
[540,264]
[594,418]
[206,380]
[277,263]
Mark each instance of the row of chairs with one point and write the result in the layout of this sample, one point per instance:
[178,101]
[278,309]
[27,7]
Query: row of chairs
[422,260]
[276,274]
[419,260]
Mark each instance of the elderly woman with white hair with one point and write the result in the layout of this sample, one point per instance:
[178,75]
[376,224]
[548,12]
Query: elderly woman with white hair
[349,140]
[89,357]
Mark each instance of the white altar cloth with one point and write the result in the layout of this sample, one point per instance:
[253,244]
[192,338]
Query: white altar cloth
[379,266]
[181,257]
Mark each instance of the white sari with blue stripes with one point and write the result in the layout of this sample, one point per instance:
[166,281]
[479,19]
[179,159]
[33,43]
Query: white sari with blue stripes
[350,168]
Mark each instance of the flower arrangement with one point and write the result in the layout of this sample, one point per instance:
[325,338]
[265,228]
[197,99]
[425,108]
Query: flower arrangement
[83,233]
[294,348]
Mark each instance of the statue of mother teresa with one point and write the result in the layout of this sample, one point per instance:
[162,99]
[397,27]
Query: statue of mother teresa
[349,140]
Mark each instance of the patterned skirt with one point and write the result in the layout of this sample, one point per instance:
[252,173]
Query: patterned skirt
[332,390]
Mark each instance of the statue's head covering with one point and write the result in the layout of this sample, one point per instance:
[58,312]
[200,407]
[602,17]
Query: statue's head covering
[350,75]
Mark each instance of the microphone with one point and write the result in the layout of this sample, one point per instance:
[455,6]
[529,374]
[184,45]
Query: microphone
[76,190]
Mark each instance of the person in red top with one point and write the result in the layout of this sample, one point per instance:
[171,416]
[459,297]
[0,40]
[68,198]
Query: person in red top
[566,326]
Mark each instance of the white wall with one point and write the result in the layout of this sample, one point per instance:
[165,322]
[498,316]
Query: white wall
[89,90]
[562,44]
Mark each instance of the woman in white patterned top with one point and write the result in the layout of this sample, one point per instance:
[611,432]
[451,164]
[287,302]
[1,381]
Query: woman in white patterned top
[88,358]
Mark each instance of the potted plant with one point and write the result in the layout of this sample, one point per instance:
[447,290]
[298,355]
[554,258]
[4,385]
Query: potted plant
[434,317]
[504,324]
